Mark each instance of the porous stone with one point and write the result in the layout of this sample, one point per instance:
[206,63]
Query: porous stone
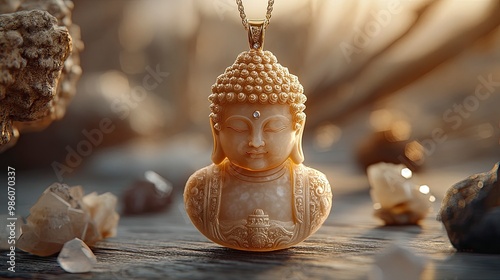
[39,65]
[76,257]
[34,48]
[470,213]
[397,199]
[61,214]
[71,71]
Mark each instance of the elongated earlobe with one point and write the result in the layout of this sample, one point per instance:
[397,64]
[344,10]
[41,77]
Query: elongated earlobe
[297,155]
[217,153]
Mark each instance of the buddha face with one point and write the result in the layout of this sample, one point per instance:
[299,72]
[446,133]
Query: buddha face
[257,137]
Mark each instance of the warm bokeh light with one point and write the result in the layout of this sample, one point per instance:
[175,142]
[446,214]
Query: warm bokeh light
[401,130]
[326,136]
[113,84]
[414,151]
[424,189]
[406,172]
[381,120]
[133,62]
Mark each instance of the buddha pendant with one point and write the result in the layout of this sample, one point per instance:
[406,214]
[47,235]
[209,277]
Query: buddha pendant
[257,195]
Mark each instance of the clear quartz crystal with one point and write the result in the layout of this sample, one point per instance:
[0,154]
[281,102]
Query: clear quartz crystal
[397,199]
[76,257]
[61,214]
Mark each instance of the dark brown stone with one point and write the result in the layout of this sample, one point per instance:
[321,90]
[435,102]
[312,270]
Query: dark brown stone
[146,197]
[470,213]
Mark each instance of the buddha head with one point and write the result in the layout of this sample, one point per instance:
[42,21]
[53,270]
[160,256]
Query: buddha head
[257,116]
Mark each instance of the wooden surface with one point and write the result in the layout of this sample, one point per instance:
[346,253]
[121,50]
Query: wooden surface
[167,246]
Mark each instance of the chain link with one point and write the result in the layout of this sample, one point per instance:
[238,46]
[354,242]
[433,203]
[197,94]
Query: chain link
[243,16]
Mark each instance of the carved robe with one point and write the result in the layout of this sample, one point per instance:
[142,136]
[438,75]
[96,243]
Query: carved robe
[311,203]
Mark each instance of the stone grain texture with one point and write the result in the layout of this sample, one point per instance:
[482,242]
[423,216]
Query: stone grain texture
[39,65]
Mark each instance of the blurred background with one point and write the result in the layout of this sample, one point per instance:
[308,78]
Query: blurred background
[413,82]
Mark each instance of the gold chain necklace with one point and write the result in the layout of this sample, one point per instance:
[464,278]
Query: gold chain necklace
[256,28]
[243,16]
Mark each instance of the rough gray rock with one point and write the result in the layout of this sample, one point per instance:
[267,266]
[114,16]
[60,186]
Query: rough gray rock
[39,65]
[71,71]
[470,213]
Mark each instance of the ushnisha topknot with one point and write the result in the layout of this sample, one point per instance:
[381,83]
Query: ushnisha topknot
[256,76]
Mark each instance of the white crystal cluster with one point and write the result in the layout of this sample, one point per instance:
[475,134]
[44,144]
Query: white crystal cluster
[62,213]
[397,199]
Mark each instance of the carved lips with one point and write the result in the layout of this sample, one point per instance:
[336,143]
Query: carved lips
[256,154]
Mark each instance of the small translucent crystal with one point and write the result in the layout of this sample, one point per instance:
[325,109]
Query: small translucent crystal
[397,199]
[102,210]
[76,257]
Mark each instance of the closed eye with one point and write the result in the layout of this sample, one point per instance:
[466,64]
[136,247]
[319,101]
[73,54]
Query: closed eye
[238,129]
[275,129]
[275,125]
[237,124]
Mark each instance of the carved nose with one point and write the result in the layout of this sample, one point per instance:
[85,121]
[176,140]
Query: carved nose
[256,140]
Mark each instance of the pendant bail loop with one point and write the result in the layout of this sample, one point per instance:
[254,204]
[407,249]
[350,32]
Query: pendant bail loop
[256,30]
